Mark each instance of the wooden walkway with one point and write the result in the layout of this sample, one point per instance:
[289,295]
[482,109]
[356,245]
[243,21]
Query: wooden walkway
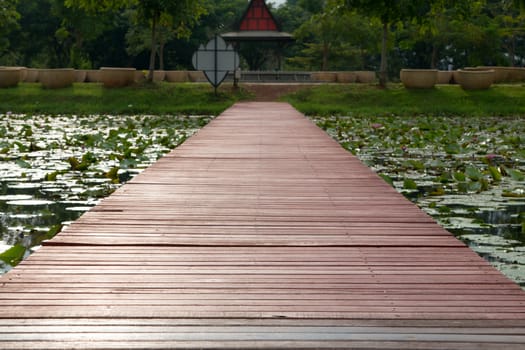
[258,232]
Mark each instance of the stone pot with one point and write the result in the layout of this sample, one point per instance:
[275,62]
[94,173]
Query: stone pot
[113,77]
[419,78]
[80,75]
[92,76]
[140,76]
[444,77]
[32,75]
[56,78]
[23,73]
[9,76]
[325,77]
[346,77]
[475,79]
[177,76]
[159,75]
[365,77]
[197,76]
[515,74]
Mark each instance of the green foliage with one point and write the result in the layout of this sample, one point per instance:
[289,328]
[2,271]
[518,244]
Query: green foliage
[13,255]
[160,99]
[9,17]
[335,41]
[92,33]
[441,101]
[411,148]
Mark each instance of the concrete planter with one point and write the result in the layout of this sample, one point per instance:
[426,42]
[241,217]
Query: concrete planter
[92,76]
[346,77]
[56,78]
[177,76]
[80,75]
[325,77]
[32,75]
[507,74]
[445,77]
[140,76]
[365,77]
[9,77]
[117,77]
[197,76]
[475,79]
[159,75]
[23,73]
[419,78]
[515,74]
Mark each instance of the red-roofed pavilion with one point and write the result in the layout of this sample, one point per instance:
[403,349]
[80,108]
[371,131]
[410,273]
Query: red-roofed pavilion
[258,25]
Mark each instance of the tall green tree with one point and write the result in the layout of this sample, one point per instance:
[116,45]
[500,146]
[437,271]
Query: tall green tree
[180,15]
[389,12]
[9,17]
[446,31]
[334,39]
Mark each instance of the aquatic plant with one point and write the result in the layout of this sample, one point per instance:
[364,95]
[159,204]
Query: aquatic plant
[467,172]
[55,167]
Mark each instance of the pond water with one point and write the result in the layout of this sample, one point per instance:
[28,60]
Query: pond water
[466,172]
[54,168]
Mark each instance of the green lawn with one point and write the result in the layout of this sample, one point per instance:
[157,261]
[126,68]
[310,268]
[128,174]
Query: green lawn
[191,98]
[450,100]
[158,99]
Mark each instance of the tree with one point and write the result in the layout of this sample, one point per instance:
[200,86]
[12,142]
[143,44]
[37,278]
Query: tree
[445,31]
[180,15]
[389,12]
[334,39]
[9,17]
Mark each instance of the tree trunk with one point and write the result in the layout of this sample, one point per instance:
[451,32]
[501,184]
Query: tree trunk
[161,53]
[326,52]
[153,52]
[433,63]
[383,70]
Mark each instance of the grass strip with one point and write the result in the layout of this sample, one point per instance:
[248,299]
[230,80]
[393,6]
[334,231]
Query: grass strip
[92,98]
[447,100]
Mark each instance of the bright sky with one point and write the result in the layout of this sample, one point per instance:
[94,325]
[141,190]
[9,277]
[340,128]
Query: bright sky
[276,2]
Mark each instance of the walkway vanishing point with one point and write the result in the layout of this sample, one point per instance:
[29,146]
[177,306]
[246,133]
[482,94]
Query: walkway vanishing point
[258,232]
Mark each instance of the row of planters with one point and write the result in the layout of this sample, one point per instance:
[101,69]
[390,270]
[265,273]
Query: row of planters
[119,77]
[474,78]
[109,76]
[365,77]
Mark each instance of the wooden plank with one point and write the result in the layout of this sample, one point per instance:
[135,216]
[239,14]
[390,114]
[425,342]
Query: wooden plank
[258,232]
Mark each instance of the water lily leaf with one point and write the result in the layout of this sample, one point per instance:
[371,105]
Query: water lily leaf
[474,186]
[444,209]
[409,184]
[473,173]
[459,176]
[437,192]
[51,176]
[516,175]
[387,179]
[453,148]
[113,175]
[23,164]
[495,173]
[436,163]
[13,255]
[446,177]
[414,164]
